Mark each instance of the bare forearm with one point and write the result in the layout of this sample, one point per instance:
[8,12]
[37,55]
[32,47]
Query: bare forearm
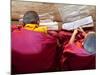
[73,37]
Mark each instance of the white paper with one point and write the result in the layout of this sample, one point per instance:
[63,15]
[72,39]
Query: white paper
[50,25]
[82,22]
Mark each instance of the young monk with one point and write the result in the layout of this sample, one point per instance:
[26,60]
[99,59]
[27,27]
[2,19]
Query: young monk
[79,53]
[31,22]
[33,50]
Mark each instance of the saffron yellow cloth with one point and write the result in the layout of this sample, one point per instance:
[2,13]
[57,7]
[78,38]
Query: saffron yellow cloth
[35,27]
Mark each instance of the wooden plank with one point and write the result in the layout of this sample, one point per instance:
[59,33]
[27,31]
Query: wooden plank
[20,7]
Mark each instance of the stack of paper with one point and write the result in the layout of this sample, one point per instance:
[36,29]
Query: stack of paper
[47,20]
[50,25]
[84,22]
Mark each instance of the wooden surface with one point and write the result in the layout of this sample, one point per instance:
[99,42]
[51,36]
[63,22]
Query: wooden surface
[61,12]
[20,7]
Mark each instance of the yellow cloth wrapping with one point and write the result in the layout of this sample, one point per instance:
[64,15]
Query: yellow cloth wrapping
[35,27]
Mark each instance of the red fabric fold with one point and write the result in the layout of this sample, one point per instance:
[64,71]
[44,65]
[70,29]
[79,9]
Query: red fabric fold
[32,51]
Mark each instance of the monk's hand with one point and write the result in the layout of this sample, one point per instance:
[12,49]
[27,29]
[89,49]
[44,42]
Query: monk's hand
[83,32]
[81,29]
[75,31]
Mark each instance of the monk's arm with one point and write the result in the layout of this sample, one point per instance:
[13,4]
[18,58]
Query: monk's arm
[73,36]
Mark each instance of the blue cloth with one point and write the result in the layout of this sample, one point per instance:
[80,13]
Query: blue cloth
[90,43]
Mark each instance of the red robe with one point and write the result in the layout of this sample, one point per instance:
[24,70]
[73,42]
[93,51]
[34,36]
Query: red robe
[32,51]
